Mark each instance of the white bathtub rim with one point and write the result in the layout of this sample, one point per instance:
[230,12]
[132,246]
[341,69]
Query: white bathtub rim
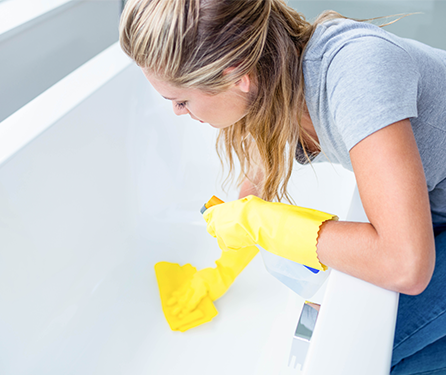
[31,120]
[17,15]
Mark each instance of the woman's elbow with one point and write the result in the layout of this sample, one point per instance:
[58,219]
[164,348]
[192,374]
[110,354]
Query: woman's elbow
[414,286]
[416,273]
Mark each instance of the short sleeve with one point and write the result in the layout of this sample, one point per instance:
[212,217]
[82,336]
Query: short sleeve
[371,83]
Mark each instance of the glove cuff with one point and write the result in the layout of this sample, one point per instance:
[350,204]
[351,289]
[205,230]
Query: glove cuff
[290,231]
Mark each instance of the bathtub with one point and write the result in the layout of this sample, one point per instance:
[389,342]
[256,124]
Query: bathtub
[98,182]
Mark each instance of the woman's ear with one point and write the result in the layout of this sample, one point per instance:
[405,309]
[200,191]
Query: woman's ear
[244,83]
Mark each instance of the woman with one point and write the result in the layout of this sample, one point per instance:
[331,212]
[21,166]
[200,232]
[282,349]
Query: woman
[280,88]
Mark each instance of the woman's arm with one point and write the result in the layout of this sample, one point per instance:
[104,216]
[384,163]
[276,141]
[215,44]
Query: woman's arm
[396,250]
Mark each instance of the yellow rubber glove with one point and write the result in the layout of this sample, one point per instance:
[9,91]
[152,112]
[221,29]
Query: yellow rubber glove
[195,291]
[282,229]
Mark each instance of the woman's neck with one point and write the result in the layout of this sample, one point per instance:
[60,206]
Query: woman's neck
[307,125]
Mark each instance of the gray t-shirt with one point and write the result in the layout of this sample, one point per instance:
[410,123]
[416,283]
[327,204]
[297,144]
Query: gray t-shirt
[360,78]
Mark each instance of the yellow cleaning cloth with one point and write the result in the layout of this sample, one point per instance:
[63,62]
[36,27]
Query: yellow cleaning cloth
[171,277]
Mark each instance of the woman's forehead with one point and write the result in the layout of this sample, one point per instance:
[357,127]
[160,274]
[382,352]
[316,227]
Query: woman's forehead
[167,89]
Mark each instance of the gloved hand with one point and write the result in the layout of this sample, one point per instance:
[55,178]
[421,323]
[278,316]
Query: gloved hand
[171,277]
[282,229]
[204,285]
[213,282]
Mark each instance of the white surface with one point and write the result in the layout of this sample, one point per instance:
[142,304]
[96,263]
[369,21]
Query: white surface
[17,130]
[98,182]
[42,41]
[14,13]
[355,328]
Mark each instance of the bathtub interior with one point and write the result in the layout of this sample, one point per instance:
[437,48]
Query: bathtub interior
[86,210]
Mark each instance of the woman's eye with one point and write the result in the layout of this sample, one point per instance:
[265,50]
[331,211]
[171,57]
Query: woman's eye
[181,105]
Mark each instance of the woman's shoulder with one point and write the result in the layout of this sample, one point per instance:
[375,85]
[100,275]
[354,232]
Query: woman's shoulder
[331,36]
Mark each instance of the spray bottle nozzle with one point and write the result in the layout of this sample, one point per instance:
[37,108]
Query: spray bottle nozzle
[211,202]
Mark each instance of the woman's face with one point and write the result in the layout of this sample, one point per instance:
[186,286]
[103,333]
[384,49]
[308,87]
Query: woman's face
[219,110]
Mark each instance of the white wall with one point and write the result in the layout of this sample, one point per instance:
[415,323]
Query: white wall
[427,27]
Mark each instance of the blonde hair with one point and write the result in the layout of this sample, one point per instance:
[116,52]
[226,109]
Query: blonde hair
[190,43]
